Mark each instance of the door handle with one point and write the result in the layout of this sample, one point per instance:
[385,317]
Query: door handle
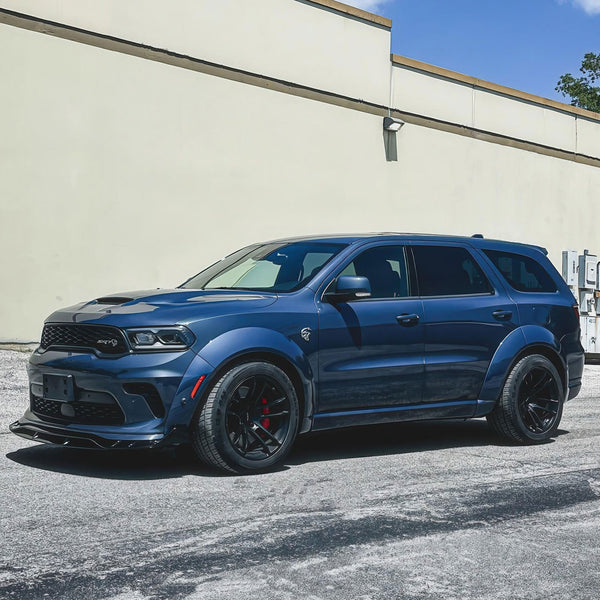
[407,320]
[502,315]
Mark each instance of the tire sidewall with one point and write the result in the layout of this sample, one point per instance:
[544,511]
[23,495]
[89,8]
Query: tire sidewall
[226,386]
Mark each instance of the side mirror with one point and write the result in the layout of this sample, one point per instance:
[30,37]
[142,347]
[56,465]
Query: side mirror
[349,287]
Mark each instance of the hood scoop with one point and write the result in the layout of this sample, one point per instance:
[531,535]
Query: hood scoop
[113,300]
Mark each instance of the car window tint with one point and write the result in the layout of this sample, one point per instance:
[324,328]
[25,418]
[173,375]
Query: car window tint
[385,268]
[448,271]
[522,272]
[313,261]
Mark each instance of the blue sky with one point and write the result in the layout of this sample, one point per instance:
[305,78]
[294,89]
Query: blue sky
[525,44]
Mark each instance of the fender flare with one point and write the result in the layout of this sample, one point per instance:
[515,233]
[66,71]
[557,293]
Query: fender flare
[516,344]
[215,357]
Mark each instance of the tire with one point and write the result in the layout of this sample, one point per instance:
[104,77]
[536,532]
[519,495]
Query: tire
[249,421]
[531,404]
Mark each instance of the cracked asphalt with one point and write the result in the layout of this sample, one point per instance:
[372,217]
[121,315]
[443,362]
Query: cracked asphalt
[413,511]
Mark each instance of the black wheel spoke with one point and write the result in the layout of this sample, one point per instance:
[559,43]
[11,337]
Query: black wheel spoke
[539,424]
[541,384]
[527,419]
[236,437]
[260,440]
[276,402]
[546,409]
[267,433]
[549,402]
[260,389]
[241,443]
[277,414]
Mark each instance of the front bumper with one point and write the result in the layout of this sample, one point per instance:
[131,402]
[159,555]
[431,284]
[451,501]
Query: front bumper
[32,428]
[87,418]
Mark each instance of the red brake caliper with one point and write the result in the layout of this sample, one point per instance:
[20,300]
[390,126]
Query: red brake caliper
[265,422]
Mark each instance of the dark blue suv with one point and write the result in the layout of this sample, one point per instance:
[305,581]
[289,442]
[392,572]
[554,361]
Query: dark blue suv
[313,333]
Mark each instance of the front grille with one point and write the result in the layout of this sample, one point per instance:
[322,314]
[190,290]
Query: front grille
[88,413]
[103,338]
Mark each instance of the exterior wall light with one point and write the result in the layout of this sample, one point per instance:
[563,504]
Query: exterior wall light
[391,124]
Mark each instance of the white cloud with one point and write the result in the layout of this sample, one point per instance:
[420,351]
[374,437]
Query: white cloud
[374,5]
[591,7]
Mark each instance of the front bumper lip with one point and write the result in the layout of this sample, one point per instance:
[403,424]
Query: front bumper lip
[55,434]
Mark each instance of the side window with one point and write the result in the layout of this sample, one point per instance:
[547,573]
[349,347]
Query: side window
[385,268]
[522,272]
[448,271]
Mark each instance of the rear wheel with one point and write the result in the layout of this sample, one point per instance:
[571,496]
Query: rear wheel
[530,407]
[249,420]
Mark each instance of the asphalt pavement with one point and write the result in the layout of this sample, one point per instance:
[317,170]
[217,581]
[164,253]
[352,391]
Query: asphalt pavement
[413,511]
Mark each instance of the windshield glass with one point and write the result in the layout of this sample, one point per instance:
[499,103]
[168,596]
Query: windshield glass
[273,267]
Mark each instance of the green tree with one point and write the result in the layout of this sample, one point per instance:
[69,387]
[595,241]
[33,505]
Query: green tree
[582,90]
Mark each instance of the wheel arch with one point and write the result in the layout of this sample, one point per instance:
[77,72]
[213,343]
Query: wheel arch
[550,353]
[521,342]
[303,385]
[280,361]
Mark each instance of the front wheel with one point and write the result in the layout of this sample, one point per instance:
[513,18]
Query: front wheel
[249,420]
[530,407]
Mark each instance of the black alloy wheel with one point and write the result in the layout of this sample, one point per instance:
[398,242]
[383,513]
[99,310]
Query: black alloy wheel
[539,400]
[530,407]
[249,420]
[258,417]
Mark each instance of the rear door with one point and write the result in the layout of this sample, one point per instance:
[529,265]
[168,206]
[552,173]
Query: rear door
[466,315]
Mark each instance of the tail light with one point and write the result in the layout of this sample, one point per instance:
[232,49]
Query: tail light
[576,311]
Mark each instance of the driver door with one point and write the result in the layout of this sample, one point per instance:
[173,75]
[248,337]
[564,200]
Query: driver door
[371,351]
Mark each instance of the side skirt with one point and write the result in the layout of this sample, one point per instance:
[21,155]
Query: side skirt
[464,409]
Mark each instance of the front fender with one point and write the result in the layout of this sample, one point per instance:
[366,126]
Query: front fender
[234,344]
[514,343]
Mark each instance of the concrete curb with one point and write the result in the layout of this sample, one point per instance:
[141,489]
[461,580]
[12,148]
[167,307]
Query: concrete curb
[30,347]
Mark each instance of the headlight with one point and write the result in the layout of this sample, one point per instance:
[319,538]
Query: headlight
[160,338]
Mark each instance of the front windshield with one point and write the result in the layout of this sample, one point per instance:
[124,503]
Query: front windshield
[272,267]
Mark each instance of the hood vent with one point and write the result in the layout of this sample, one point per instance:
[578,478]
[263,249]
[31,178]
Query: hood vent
[113,300]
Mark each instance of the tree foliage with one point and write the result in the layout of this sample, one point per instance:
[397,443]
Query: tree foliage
[583,90]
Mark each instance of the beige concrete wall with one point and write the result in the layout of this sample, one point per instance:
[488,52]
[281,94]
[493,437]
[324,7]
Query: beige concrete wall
[285,39]
[119,173]
[122,173]
[415,92]
[524,120]
[464,102]
[588,138]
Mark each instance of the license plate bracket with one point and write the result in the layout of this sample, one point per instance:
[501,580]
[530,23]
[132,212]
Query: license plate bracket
[59,387]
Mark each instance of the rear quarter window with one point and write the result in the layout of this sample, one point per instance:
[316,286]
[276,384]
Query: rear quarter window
[522,272]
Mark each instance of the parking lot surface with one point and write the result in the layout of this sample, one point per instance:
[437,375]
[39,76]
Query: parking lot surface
[408,511]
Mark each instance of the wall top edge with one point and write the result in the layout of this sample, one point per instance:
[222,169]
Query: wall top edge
[354,12]
[493,87]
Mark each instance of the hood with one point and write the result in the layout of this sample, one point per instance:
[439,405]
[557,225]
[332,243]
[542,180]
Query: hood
[147,308]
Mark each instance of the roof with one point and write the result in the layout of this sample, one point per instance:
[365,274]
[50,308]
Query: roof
[477,240]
